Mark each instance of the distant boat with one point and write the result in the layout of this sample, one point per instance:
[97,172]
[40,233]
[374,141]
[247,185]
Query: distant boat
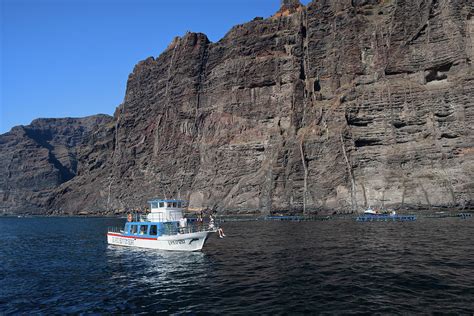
[371,215]
[370,211]
[165,227]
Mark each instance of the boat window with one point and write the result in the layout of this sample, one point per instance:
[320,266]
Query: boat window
[153,230]
[143,229]
[133,229]
[154,204]
[179,204]
[162,204]
[174,204]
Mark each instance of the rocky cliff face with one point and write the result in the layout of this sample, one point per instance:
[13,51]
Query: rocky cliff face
[334,106]
[36,159]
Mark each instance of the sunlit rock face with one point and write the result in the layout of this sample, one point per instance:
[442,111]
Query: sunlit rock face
[289,7]
[330,107]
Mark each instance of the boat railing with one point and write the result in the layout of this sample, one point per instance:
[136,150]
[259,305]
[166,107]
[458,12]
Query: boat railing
[157,217]
[189,228]
[115,229]
[142,218]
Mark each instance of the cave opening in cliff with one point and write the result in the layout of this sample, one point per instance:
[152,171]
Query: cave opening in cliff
[399,124]
[437,73]
[302,72]
[303,31]
[365,142]
[316,86]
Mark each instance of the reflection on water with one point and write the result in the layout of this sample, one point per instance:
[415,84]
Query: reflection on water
[64,265]
[158,269]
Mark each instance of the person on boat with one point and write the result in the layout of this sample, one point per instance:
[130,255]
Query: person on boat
[199,220]
[211,222]
[212,226]
[221,232]
[183,222]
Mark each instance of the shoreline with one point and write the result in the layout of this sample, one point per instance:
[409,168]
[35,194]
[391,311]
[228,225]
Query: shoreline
[262,217]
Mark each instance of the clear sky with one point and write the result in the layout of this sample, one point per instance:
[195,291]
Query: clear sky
[71,58]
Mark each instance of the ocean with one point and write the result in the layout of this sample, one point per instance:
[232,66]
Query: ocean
[63,265]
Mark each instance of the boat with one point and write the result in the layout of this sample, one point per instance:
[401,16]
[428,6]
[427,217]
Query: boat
[165,228]
[370,211]
[440,214]
[371,215]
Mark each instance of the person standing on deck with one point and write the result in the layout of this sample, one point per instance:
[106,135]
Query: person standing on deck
[199,221]
[183,222]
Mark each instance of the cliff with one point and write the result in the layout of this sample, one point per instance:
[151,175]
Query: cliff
[37,158]
[334,106]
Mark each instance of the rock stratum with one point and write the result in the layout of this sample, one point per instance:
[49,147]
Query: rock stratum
[333,106]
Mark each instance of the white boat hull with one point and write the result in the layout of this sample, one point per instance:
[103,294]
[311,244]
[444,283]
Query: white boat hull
[181,242]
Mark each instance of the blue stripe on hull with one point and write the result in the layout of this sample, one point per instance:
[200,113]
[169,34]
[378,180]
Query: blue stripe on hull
[386,218]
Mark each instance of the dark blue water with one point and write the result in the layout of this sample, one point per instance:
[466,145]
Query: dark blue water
[63,265]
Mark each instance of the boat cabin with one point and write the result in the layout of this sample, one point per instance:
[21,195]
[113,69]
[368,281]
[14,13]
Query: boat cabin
[163,218]
[165,210]
[151,230]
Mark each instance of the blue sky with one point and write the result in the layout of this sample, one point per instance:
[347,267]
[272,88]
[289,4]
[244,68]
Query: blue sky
[71,58]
